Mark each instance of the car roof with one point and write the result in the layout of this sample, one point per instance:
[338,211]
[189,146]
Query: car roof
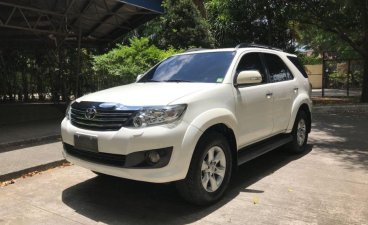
[240,50]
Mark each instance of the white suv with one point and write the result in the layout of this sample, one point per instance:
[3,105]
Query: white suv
[192,119]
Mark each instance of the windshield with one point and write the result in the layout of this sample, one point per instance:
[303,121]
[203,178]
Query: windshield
[209,67]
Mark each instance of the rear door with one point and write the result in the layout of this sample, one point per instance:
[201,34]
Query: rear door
[284,90]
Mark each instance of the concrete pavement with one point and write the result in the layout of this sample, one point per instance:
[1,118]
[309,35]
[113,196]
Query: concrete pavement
[28,147]
[326,185]
[20,154]
[15,135]
[18,162]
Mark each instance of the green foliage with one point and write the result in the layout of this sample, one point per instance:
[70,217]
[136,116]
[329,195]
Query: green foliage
[182,26]
[43,74]
[130,60]
[332,23]
[346,20]
[309,60]
[262,22]
[337,80]
[312,37]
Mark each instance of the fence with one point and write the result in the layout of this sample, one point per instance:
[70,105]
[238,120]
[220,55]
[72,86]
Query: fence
[336,76]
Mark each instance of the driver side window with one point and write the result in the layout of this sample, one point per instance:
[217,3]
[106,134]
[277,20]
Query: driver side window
[251,61]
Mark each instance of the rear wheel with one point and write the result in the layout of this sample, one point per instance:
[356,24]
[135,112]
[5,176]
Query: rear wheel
[299,133]
[209,172]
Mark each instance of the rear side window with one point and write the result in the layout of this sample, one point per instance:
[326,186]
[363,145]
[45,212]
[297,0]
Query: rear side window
[277,68]
[298,65]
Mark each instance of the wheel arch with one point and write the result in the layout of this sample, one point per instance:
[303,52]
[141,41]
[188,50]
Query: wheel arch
[306,106]
[229,134]
[220,120]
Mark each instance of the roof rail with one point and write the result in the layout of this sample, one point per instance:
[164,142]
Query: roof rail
[249,45]
[195,49]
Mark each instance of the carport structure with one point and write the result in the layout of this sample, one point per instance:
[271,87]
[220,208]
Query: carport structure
[93,22]
[78,24]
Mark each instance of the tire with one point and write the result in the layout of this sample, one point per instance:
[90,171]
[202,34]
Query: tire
[299,134]
[207,179]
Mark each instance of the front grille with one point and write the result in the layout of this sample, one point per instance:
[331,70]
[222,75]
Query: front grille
[103,120]
[96,157]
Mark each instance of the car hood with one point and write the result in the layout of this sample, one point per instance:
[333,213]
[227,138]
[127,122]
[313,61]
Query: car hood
[146,94]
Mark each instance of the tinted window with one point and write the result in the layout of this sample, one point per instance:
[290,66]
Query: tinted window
[208,67]
[251,61]
[298,65]
[277,68]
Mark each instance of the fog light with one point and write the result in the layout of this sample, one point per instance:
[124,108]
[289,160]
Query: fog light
[137,121]
[153,157]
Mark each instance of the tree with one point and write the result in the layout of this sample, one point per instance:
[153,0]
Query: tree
[312,37]
[201,7]
[182,26]
[127,61]
[250,21]
[347,19]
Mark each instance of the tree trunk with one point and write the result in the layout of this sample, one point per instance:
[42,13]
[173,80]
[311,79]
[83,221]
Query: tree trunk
[201,7]
[364,97]
[25,85]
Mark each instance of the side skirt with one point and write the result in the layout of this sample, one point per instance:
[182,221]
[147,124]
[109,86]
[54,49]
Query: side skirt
[253,151]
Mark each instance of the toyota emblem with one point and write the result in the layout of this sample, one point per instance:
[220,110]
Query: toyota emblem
[90,113]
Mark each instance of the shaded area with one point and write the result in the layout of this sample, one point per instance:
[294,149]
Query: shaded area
[338,136]
[41,55]
[344,135]
[114,201]
[26,125]
[96,22]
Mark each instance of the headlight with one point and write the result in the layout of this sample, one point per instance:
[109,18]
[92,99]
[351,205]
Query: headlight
[68,110]
[158,115]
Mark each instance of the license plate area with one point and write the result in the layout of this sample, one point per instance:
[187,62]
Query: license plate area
[86,142]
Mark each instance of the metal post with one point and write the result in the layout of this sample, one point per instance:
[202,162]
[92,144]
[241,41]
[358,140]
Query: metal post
[352,80]
[323,73]
[348,80]
[78,63]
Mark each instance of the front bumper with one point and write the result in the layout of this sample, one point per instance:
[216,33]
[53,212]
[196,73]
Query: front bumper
[133,160]
[180,135]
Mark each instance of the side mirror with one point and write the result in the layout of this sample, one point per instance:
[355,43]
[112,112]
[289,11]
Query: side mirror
[249,77]
[139,77]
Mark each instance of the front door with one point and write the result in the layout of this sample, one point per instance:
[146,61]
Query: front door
[254,103]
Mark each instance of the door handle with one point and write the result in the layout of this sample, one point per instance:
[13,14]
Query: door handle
[269,95]
[296,90]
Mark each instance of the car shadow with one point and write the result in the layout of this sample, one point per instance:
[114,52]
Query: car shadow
[116,201]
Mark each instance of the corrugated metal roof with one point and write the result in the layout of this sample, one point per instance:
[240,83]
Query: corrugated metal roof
[98,22]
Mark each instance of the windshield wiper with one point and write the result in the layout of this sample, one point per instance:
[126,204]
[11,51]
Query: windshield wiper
[150,80]
[177,80]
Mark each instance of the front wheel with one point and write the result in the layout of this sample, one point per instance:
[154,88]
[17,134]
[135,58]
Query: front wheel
[209,172]
[299,133]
